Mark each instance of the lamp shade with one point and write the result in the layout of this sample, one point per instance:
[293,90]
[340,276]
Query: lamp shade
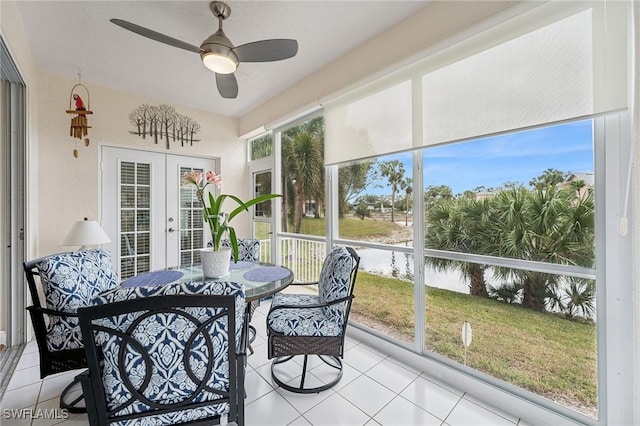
[85,233]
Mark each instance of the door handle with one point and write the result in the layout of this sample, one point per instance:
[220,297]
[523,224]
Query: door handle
[171,230]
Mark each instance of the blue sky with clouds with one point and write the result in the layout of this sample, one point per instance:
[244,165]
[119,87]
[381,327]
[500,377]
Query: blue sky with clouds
[493,161]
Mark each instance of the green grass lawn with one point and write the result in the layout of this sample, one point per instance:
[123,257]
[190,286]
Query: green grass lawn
[544,353]
[350,228]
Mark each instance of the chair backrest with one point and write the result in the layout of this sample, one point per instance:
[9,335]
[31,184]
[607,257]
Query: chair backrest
[248,249]
[69,281]
[337,281]
[165,355]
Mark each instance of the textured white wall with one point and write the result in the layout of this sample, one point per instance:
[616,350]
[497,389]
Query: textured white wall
[68,187]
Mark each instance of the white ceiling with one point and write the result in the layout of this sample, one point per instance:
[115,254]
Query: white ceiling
[68,37]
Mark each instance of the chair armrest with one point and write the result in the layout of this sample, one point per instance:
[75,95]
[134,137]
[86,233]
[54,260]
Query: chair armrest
[51,312]
[244,336]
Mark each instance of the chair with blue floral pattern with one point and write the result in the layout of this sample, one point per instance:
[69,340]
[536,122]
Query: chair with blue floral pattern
[248,251]
[69,281]
[310,324]
[165,355]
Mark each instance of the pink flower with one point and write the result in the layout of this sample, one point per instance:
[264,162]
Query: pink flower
[192,177]
[214,178]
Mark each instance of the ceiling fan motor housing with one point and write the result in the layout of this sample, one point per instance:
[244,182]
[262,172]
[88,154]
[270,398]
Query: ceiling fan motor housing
[218,47]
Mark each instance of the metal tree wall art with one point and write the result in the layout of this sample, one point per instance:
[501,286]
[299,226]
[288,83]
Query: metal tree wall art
[79,124]
[163,122]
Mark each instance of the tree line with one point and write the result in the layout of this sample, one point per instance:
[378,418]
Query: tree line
[549,221]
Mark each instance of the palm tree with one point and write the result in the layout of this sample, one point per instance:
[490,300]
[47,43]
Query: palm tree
[394,171]
[408,190]
[302,166]
[545,225]
[461,225]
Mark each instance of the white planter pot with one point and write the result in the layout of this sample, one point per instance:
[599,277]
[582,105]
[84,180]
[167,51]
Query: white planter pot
[215,264]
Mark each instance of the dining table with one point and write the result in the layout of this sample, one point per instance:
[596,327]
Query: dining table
[260,279]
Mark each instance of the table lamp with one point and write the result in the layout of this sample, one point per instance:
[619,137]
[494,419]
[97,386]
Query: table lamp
[85,233]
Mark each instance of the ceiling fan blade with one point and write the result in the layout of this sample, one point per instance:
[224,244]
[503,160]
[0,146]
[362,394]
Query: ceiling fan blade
[267,50]
[227,85]
[153,35]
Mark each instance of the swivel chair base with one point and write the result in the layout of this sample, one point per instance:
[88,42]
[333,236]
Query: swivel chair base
[72,406]
[331,361]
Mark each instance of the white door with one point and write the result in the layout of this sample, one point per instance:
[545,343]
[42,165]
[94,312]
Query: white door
[154,221]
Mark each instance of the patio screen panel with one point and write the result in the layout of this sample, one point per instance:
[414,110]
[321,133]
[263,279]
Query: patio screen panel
[556,62]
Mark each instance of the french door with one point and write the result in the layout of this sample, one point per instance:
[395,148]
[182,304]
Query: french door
[153,219]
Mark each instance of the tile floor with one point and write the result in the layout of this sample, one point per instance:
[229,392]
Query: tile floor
[374,390]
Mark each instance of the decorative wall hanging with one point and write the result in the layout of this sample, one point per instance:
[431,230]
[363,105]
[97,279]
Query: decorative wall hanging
[163,122]
[79,124]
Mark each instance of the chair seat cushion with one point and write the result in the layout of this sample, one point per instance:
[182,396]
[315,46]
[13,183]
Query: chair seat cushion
[69,282]
[301,321]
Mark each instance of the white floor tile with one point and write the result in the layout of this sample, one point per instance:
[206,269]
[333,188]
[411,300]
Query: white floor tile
[392,375]
[466,413]
[15,417]
[336,411]
[361,358]
[29,359]
[259,356]
[52,386]
[30,347]
[367,394]
[349,374]
[22,397]
[50,413]
[305,402]
[24,377]
[402,412]
[300,421]
[431,397]
[77,420]
[255,386]
[270,410]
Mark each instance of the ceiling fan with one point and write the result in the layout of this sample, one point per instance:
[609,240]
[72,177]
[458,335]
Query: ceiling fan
[219,54]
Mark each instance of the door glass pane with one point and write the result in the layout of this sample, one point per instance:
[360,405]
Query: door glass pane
[190,221]
[134,218]
[262,214]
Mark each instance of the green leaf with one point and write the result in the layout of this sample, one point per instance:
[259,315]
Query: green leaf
[234,243]
[253,201]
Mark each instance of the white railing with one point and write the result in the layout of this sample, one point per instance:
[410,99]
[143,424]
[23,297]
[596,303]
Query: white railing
[303,257]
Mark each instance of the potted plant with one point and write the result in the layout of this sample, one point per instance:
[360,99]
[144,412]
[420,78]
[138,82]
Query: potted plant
[218,220]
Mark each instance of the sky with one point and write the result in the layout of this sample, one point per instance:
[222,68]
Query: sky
[493,161]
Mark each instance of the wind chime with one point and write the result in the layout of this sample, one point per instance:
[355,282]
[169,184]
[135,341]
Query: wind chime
[79,124]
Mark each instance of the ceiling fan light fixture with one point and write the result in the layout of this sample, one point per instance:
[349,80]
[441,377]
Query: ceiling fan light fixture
[219,63]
